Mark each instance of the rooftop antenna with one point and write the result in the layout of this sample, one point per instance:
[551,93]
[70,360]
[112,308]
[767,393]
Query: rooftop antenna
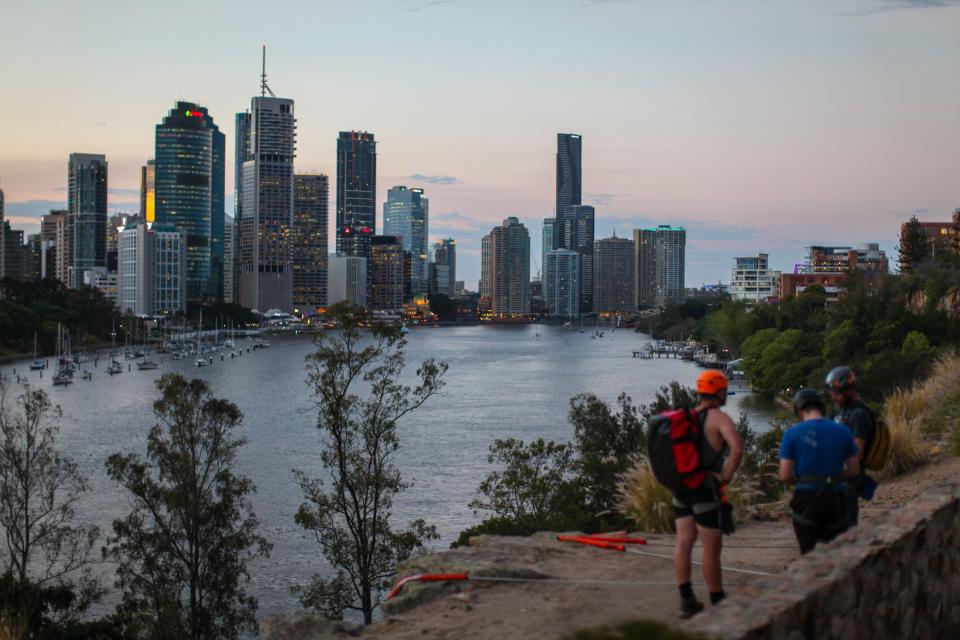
[264,89]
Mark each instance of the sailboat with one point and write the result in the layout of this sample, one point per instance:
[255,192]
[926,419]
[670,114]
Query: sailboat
[64,375]
[37,365]
[201,361]
[115,367]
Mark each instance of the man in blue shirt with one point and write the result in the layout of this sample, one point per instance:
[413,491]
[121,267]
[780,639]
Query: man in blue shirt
[817,455]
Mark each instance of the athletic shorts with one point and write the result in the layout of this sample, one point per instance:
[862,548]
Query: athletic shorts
[683,507]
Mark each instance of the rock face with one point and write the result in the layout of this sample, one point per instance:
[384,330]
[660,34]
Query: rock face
[896,577]
[948,303]
[304,628]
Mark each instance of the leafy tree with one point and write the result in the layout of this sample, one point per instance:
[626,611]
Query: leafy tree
[914,247]
[730,325]
[349,510]
[841,343]
[605,442]
[184,547]
[46,549]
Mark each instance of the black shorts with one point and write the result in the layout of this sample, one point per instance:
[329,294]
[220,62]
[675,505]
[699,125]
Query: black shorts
[819,516]
[702,503]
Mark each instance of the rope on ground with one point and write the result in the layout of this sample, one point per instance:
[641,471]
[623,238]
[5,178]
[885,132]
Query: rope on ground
[752,572]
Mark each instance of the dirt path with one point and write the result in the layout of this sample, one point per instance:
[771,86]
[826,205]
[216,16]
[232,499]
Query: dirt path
[548,609]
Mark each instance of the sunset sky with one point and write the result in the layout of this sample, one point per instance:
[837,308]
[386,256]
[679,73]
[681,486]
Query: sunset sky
[757,125]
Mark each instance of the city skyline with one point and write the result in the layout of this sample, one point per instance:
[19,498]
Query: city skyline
[719,132]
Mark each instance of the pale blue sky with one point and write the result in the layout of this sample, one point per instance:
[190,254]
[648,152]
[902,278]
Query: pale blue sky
[759,125]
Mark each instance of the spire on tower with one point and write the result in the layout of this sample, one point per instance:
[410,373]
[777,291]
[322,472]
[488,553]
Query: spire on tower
[264,89]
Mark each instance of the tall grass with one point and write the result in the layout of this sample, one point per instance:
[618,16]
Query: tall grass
[643,500]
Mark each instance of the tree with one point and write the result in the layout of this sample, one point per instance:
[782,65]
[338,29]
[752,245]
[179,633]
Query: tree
[914,247]
[730,325]
[184,547]
[349,511]
[46,549]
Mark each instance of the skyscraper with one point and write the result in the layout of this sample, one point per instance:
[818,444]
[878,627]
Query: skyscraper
[660,258]
[386,274]
[189,164]
[310,206]
[561,283]
[445,269]
[406,215]
[575,232]
[569,171]
[548,238]
[152,264]
[265,260]
[53,231]
[148,191]
[356,192]
[508,271]
[229,259]
[87,216]
[613,279]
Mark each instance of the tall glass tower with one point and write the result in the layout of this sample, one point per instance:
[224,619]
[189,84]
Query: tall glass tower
[406,215]
[356,192]
[189,183]
[569,171]
[310,204]
[86,215]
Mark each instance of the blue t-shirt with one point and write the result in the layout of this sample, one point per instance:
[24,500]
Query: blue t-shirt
[818,447]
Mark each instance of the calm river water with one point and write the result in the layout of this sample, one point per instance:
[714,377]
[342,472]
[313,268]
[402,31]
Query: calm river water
[503,381]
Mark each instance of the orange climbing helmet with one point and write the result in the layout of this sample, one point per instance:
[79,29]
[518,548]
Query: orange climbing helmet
[710,383]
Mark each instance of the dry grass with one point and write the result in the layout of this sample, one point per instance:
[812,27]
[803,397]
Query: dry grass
[915,416]
[643,500]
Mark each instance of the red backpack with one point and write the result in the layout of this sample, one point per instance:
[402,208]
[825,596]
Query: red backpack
[674,442]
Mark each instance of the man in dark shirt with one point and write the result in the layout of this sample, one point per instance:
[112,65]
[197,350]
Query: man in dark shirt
[853,412]
[817,455]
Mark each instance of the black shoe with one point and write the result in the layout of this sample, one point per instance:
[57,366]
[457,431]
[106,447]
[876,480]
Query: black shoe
[690,607]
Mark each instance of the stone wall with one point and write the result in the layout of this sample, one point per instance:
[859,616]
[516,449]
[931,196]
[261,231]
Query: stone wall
[896,577]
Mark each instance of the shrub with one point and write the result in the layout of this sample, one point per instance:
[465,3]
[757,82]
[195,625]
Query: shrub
[643,500]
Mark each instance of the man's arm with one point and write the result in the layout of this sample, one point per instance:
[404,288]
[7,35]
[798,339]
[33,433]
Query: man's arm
[728,430]
[786,471]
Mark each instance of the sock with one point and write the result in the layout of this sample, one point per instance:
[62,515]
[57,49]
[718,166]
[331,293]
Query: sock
[686,590]
[717,596]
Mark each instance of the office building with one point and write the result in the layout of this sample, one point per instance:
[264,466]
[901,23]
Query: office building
[660,254]
[265,217]
[356,192]
[53,231]
[406,216]
[310,206]
[386,275]
[574,230]
[189,186]
[506,276]
[104,281]
[548,237]
[752,280]
[148,191]
[85,246]
[613,276]
[561,284]
[569,171]
[445,267]
[347,280]
[152,270]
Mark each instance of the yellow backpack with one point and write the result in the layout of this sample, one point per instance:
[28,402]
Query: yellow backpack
[879,452]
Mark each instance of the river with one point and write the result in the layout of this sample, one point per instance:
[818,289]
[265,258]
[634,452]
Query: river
[503,381]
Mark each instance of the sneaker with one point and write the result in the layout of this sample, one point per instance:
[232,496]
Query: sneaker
[690,607]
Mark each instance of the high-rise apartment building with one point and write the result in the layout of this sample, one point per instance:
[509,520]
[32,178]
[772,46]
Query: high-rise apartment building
[265,222]
[575,231]
[613,276]
[865,257]
[660,254]
[53,231]
[347,280]
[548,238]
[356,192]
[310,206]
[12,251]
[561,284]
[152,269]
[752,280]
[229,260]
[569,171]
[189,165]
[386,274]
[406,216]
[507,276]
[86,245]
[445,267]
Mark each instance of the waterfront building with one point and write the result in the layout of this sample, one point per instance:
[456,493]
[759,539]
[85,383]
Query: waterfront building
[569,171]
[506,278]
[386,275]
[548,238]
[189,186]
[561,284]
[574,231]
[152,269]
[347,280]
[752,280]
[406,216]
[793,284]
[486,272]
[865,257]
[86,241]
[229,259]
[613,276]
[264,225]
[660,256]
[310,203]
[445,269]
[356,192]
[148,191]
